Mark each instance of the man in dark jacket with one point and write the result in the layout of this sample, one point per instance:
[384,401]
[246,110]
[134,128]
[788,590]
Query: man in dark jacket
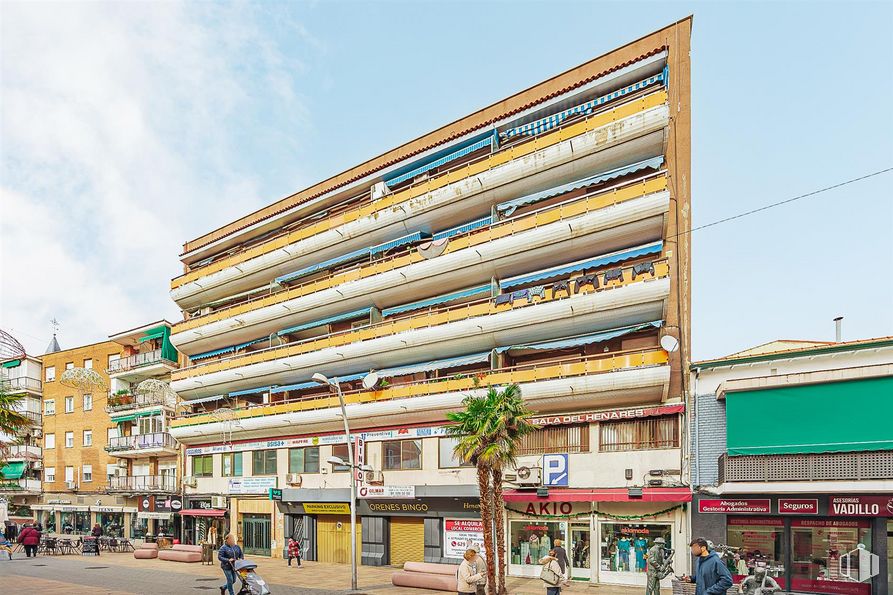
[228,553]
[30,539]
[711,575]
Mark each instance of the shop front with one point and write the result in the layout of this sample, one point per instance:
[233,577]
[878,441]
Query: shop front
[825,544]
[157,516]
[319,520]
[203,523]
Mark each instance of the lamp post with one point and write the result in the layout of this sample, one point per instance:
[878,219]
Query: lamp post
[334,385]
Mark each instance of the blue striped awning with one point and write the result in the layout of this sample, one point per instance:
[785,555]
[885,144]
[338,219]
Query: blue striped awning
[441,299]
[413,237]
[329,320]
[311,383]
[222,350]
[507,208]
[427,166]
[441,364]
[463,228]
[205,400]
[653,248]
[584,339]
[250,391]
[549,122]
[320,266]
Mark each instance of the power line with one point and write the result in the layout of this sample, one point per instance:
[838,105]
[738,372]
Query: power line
[784,202]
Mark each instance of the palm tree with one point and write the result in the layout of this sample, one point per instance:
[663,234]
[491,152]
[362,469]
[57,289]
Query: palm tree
[11,421]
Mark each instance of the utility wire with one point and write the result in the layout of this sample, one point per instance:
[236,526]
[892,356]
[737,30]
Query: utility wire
[784,202]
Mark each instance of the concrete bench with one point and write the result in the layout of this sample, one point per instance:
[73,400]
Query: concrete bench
[426,575]
[182,553]
[146,551]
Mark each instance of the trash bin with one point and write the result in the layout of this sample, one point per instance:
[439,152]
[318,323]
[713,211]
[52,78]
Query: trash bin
[208,554]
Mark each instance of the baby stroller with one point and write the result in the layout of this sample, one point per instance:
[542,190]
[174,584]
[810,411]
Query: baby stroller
[252,583]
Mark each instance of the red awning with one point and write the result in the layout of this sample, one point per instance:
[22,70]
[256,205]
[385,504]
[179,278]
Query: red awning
[202,512]
[602,495]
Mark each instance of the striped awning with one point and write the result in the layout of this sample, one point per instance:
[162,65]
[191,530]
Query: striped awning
[583,339]
[413,237]
[311,383]
[133,416]
[429,165]
[329,320]
[463,228]
[250,391]
[321,266]
[205,400]
[223,350]
[442,299]
[653,248]
[549,122]
[440,364]
[507,208]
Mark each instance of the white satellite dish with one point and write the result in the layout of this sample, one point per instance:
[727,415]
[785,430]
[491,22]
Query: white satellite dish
[370,380]
[669,343]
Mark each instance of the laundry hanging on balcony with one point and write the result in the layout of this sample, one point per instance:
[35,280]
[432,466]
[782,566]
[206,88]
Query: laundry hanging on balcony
[583,339]
[437,161]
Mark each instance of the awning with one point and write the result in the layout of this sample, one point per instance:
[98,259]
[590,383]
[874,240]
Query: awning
[205,400]
[229,349]
[321,266]
[250,391]
[329,320]
[583,339]
[549,122]
[202,512]
[154,333]
[602,495]
[448,233]
[311,383]
[507,208]
[442,299]
[413,237]
[133,416]
[13,470]
[437,162]
[13,363]
[441,364]
[653,248]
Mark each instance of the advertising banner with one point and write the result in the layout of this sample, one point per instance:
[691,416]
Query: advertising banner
[251,485]
[327,508]
[798,506]
[873,506]
[461,534]
[729,506]
[389,492]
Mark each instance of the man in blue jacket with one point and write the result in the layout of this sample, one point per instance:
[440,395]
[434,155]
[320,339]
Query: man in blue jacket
[711,575]
[228,553]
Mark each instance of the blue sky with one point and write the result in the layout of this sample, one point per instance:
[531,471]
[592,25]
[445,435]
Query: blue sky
[130,128]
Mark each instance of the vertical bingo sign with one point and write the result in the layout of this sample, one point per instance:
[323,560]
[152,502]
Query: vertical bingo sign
[555,470]
[359,453]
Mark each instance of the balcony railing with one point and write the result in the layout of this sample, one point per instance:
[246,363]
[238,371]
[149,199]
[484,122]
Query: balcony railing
[139,360]
[126,402]
[21,383]
[144,483]
[19,451]
[141,442]
[19,485]
[807,467]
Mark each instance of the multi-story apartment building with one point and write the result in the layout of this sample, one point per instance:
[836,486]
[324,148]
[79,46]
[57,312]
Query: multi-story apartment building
[20,477]
[793,462]
[538,241]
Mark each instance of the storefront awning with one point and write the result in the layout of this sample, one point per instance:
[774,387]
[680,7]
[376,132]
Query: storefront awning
[13,470]
[601,495]
[202,512]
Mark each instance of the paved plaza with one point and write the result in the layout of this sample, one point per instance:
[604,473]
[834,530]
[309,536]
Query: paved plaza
[121,574]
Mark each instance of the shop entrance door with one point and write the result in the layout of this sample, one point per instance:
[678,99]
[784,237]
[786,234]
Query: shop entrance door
[256,534]
[579,551]
[407,540]
[333,537]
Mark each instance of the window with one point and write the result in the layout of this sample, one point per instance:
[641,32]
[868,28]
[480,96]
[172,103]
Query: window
[758,541]
[69,474]
[232,464]
[263,462]
[624,545]
[49,407]
[112,433]
[402,454]
[50,441]
[150,425]
[303,460]
[87,470]
[88,437]
[69,366]
[552,439]
[50,474]
[113,359]
[639,434]
[447,458]
[50,372]
[818,549]
[69,439]
[203,466]
[534,539]
[88,402]
[88,364]
[340,451]
[69,404]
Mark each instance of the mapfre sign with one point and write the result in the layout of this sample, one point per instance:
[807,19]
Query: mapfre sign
[611,415]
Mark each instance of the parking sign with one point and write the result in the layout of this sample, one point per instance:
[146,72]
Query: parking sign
[555,470]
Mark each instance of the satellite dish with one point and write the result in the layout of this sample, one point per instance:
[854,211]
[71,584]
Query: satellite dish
[370,380]
[669,343]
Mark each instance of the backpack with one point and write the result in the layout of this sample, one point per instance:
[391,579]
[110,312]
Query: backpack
[549,576]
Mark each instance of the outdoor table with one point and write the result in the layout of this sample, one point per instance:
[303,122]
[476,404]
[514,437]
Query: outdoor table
[125,545]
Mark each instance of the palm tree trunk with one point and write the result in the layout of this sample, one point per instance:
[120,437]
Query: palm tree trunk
[499,521]
[487,520]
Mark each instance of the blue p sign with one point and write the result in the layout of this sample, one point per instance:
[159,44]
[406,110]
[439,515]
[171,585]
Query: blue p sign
[555,470]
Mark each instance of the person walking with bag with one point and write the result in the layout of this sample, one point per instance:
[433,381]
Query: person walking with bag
[551,573]
[467,575]
[228,553]
[30,539]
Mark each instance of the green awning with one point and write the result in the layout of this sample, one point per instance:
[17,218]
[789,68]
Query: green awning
[133,416]
[831,417]
[13,470]
[153,333]
[13,363]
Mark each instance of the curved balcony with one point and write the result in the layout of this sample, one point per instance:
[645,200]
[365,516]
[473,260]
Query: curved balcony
[142,445]
[522,167]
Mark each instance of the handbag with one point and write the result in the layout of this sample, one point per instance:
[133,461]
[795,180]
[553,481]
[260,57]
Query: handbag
[549,576]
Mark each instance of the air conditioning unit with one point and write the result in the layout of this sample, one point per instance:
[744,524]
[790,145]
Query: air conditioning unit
[190,482]
[218,502]
[529,476]
[71,485]
[375,478]
[378,190]
[293,479]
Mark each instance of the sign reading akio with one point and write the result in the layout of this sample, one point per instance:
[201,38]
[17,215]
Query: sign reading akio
[251,485]
[729,506]
[388,492]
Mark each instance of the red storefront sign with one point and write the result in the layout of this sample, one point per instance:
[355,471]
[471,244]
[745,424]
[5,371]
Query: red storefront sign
[769,522]
[729,506]
[594,416]
[798,506]
[857,523]
[873,506]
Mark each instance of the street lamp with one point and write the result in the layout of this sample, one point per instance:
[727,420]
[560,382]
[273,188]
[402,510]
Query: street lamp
[334,385]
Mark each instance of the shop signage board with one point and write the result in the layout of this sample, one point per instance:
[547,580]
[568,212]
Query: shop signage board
[251,485]
[555,470]
[798,506]
[267,444]
[735,506]
[614,414]
[326,508]
[461,534]
[419,506]
[276,494]
[107,509]
[166,504]
[872,506]
[388,492]
[155,515]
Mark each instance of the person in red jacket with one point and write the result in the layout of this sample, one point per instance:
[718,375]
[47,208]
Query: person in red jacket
[30,538]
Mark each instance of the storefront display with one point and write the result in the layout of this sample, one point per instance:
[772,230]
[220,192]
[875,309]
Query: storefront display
[531,540]
[75,522]
[112,523]
[624,545]
[758,542]
[138,527]
[819,547]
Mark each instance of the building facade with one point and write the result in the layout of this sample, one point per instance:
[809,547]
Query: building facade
[539,241]
[793,464]
[21,476]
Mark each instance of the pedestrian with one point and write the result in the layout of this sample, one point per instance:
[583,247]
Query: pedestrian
[467,575]
[480,566]
[228,553]
[711,575]
[561,558]
[551,573]
[294,551]
[97,531]
[5,548]
[30,539]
